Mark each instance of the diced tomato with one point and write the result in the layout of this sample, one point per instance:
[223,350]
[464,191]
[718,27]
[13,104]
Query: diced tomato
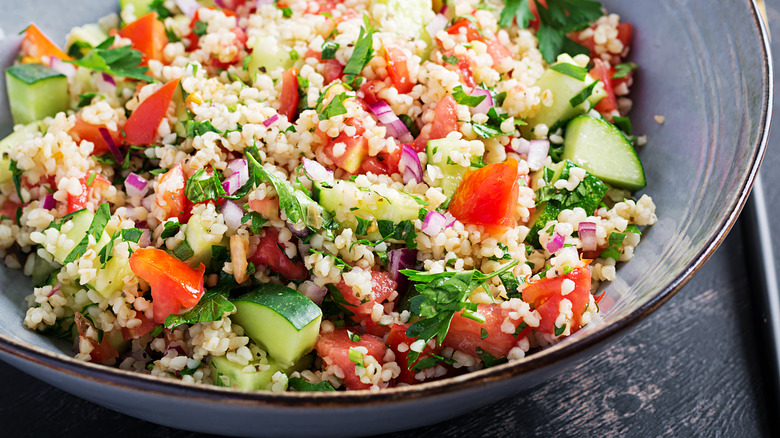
[355,151]
[86,131]
[170,194]
[174,283]
[471,30]
[269,253]
[375,328]
[488,197]
[267,207]
[462,67]
[141,127]
[466,334]
[334,348]
[288,100]
[545,295]
[332,69]
[382,286]
[497,51]
[368,90]
[147,325]
[608,105]
[9,208]
[100,351]
[397,69]
[625,33]
[385,163]
[395,338]
[148,36]
[35,45]
[78,202]
[445,121]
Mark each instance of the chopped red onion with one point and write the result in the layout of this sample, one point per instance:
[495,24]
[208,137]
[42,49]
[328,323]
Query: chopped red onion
[69,70]
[450,220]
[316,171]
[231,184]
[395,127]
[587,233]
[521,146]
[269,121]
[135,185]
[219,3]
[411,165]
[145,239]
[486,103]
[537,152]
[239,166]
[313,292]
[49,202]
[438,23]
[149,201]
[298,233]
[434,223]
[232,214]
[111,145]
[397,260]
[556,243]
[187,7]
[108,78]
[106,84]
[55,289]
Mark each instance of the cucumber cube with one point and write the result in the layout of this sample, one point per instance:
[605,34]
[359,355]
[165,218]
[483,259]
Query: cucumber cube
[35,91]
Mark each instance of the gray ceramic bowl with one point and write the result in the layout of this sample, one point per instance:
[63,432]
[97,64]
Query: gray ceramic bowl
[704,65]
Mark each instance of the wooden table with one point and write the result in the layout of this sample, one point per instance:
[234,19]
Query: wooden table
[690,369]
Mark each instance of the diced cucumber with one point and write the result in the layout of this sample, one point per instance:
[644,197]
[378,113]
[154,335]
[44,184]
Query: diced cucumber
[391,204]
[109,278]
[12,140]
[42,270]
[267,56]
[81,221]
[254,380]
[409,19]
[91,34]
[600,148]
[201,240]
[280,320]
[35,91]
[453,173]
[587,195]
[182,114]
[563,88]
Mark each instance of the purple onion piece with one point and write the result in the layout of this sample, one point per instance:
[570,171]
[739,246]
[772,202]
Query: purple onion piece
[49,202]
[556,243]
[111,145]
[411,165]
[395,127]
[313,292]
[438,23]
[398,260]
[587,233]
[434,223]
[231,184]
[232,214]
[270,121]
[136,185]
[108,78]
[298,233]
[486,103]
[521,146]
[316,171]
[537,152]
[187,7]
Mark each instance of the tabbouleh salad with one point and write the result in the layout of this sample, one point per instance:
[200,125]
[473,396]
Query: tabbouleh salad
[321,195]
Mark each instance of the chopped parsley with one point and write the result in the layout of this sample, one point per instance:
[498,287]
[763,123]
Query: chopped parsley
[334,108]
[361,55]
[212,305]
[86,99]
[337,262]
[159,7]
[196,129]
[201,187]
[410,124]
[431,361]
[615,241]
[462,98]
[559,330]
[200,28]
[120,61]
[329,50]
[622,123]
[354,337]
[362,226]
[356,357]
[583,95]
[16,175]
[99,221]
[298,384]
[492,128]
[183,251]
[624,69]
[170,228]
[572,70]
[450,59]
[256,221]
[488,359]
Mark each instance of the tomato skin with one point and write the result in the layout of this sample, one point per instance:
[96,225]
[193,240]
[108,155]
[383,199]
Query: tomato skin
[472,33]
[89,132]
[334,348]
[268,253]
[148,36]
[147,325]
[288,99]
[101,351]
[382,286]
[445,121]
[170,194]
[497,51]
[141,126]
[385,163]
[608,104]
[174,283]
[545,295]
[466,334]
[395,338]
[397,69]
[356,147]
[368,91]
[36,44]
[76,203]
[488,197]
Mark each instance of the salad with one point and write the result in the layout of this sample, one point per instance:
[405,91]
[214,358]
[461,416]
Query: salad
[321,195]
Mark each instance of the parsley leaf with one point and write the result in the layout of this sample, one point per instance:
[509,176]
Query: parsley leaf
[515,8]
[200,28]
[86,99]
[583,95]
[196,129]
[17,177]
[329,50]
[298,384]
[170,228]
[624,69]
[99,221]
[361,55]
[212,305]
[493,126]
[334,108]
[615,242]
[410,124]
[462,98]
[431,361]
[159,7]
[488,359]
[450,59]
[131,234]
[200,187]
[257,221]
[120,61]
[622,123]
[183,251]
[574,71]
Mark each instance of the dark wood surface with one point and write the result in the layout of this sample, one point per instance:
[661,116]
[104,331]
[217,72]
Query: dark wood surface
[690,369]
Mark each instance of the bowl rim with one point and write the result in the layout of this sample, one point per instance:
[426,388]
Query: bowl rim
[558,353]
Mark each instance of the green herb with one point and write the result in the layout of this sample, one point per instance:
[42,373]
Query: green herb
[201,187]
[286,12]
[157,330]
[105,253]
[488,359]
[558,19]
[16,175]
[624,69]
[334,108]
[410,124]
[211,307]
[450,59]
[356,357]
[329,50]
[583,95]
[131,234]
[520,327]
[121,61]
[294,55]
[615,242]
[246,61]
[439,297]
[91,179]
[622,123]
[632,228]
[196,129]
[575,71]
[493,126]
[404,230]
[78,48]
[159,171]
[362,226]
[559,330]
[190,371]
[361,55]
[462,98]
[170,228]
[337,262]
[483,333]
[505,253]
[183,251]
[219,255]
[99,221]
[86,99]
[298,384]
[354,337]
[159,7]
[171,35]
[19,216]
[586,195]
[200,28]
[431,361]
[257,221]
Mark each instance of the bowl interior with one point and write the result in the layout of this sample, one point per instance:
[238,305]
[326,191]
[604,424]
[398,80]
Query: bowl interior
[703,66]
